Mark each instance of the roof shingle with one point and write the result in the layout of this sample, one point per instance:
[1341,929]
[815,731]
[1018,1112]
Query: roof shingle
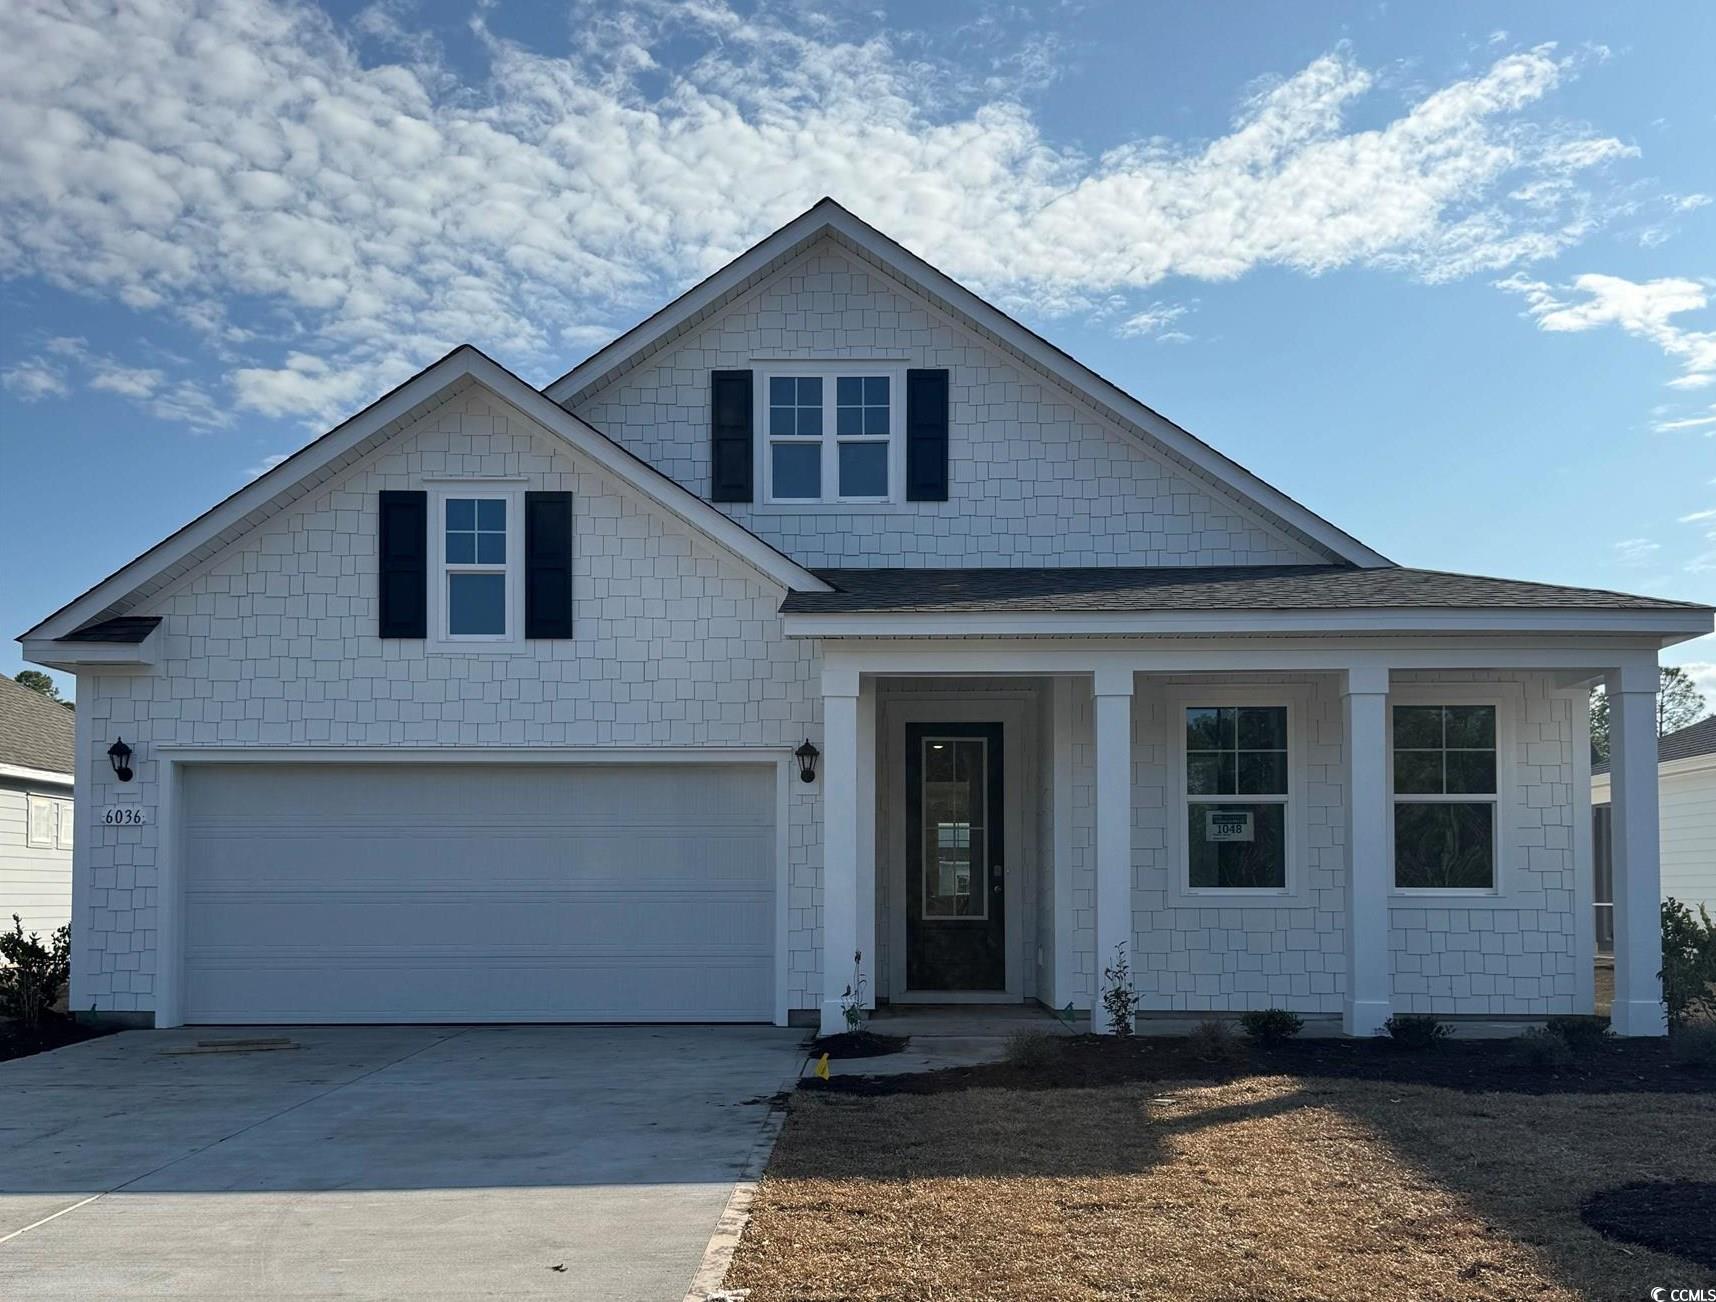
[35,732]
[1122,589]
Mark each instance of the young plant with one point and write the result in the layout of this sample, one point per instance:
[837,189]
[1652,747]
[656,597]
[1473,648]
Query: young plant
[1272,1025]
[1119,999]
[1416,1030]
[1543,1050]
[1213,1040]
[852,999]
[1688,962]
[1583,1034]
[32,974]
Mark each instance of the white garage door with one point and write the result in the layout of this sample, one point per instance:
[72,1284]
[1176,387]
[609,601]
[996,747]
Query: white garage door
[442,893]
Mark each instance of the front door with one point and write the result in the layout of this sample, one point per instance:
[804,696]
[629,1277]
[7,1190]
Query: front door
[956,902]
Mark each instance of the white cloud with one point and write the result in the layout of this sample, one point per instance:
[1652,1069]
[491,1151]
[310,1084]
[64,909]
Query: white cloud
[1687,422]
[1643,309]
[267,463]
[176,159]
[1636,551]
[1155,321]
[1697,517]
[34,379]
[182,401]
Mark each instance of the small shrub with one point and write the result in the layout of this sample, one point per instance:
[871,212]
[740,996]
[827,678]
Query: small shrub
[1582,1033]
[32,974]
[1693,1045]
[1543,1050]
[1032,1049]
[1119,999]
[1214,1041]
[1272,1025]
[1688,961]
[1416,1030]
[852,998]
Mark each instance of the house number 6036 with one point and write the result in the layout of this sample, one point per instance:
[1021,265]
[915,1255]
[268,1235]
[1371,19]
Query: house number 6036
[124,816]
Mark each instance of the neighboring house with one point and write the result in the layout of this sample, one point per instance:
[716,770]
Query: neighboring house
[484,706]
[36,818]
[1686,798]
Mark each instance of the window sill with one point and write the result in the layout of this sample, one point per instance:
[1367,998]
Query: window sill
[1195,896]
[477,648]
[1452,899]
[823,508]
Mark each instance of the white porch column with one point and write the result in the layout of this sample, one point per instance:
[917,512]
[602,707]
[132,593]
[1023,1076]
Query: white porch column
[1636,848]
[838,776]
[1370,984]
[867,761]
[1113,827]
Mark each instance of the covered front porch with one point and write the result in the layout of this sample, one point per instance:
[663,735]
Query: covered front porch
[1004,817]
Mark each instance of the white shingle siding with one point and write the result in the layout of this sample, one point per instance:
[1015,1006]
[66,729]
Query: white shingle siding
[1036,477]
[1516,954]
[275,645]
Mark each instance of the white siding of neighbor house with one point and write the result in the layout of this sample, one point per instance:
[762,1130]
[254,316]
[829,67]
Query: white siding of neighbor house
[1686,805]
[274,644]
[1688,815]
[1036,476]
[35,880]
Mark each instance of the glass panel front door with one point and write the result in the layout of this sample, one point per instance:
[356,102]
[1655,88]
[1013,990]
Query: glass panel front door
[955,869]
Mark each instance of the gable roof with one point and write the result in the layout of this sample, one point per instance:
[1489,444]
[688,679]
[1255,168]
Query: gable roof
[828,218]
[1686,743]
[35,732]
[329,455]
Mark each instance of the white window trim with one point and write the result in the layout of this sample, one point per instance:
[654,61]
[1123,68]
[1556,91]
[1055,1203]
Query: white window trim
[831,372]
[440,639]
[1294,697]
[63,831]
[1508,701]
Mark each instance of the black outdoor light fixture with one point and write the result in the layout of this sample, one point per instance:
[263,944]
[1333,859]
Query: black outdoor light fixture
[120,754]
[806,757]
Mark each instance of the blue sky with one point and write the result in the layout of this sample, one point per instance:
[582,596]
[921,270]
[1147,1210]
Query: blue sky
[1447,274]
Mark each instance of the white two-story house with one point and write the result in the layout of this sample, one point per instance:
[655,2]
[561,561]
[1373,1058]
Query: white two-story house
[828,613]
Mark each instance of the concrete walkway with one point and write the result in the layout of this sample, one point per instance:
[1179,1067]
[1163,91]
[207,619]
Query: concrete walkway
[379,1162]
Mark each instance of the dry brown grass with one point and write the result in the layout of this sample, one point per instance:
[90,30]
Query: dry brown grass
[1264,1188]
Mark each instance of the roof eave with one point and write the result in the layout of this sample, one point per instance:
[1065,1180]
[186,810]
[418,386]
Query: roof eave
[1665,627]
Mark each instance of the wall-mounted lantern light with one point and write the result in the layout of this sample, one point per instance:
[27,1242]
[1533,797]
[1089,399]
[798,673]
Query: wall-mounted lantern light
[120,754]
[806,757]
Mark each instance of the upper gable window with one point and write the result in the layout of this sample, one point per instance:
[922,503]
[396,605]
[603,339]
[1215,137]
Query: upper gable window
[480,548]
[832,435]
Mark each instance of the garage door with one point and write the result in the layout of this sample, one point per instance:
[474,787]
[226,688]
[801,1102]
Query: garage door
[443,893]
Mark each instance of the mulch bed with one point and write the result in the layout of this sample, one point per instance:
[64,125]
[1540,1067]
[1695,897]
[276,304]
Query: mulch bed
[1677,1216]
[15,1042]
[1476,1066]
[858,1044]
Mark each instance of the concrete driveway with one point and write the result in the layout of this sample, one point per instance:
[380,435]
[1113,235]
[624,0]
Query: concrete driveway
[379,1161]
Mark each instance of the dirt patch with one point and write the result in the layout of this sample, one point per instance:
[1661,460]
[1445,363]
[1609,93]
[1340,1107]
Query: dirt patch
[1474,1066]
[1270,1188]
[858,1044]
[15,1042]
[1674,1216]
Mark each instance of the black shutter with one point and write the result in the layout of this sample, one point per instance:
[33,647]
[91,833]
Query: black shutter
[403,553]
[926,436]
[547,565]
[730,436]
